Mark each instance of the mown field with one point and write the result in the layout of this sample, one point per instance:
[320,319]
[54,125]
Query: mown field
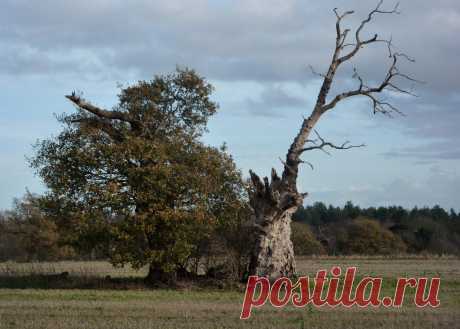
[129,305]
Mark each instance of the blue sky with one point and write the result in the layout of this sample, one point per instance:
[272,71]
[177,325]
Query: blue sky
[256,53]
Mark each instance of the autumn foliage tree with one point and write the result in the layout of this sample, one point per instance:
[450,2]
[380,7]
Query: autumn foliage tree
[137,177]
[304,241]
[369,237]
[27,233]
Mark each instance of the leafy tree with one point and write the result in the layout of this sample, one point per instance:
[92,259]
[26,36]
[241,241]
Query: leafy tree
[305,242]
[10,247]
[137,178]
[427,230]
[438,213]
[28,234]
[366,236]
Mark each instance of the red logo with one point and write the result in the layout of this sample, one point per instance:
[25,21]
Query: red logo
[300,294]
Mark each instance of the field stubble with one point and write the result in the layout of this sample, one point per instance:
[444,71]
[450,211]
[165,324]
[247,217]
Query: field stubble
[204,308]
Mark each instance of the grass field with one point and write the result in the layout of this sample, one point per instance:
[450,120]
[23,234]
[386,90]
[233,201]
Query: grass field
[195,307]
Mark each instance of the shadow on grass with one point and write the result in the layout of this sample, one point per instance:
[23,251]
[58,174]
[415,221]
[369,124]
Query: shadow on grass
[66,281]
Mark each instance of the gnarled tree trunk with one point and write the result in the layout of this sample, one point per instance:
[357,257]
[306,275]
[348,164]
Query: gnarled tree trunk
[274,253]
[274,201]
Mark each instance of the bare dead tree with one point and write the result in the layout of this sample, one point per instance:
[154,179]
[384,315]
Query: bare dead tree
[275,200]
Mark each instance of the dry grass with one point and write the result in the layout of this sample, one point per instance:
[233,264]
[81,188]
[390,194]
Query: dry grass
[446,267]
[30,308]
[87,269]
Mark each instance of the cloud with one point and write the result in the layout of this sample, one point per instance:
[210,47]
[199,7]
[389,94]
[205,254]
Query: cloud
[273,101]
[433,124]
[434,151]
[270,42]
[239,40]
[439,187]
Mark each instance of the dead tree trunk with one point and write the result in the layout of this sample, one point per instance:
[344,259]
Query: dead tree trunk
[273,204]
[275,201]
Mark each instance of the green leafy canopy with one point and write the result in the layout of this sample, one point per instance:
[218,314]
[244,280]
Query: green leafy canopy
[137,178]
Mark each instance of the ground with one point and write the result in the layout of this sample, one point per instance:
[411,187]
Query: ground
[196,307]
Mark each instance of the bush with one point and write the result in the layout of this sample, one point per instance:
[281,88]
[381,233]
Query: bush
[369,237]
[305,242]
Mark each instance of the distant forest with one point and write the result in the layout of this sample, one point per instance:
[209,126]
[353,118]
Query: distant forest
[28,234]
[383,230]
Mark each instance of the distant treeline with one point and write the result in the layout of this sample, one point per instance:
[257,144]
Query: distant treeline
[383,230]
[29,234]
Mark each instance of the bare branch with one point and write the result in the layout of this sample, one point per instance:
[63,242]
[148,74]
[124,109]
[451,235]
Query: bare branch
[359,43]
[341,36]
[344,146]
[286,166]
[101,113]
[383,107]
[393,87]
[388,83]
[256,182]
[357,76]
[316,73]
[308,163]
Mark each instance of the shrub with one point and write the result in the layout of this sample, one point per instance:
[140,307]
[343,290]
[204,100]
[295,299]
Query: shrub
[305,242]
[367,236]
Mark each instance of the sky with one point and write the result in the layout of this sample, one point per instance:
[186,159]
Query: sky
[257,55]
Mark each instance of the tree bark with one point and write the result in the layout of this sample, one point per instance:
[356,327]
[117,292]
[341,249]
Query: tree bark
[275,201]
[274,253]
[273,204]
[157,276]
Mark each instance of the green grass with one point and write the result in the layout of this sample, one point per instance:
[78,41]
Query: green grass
[195,307]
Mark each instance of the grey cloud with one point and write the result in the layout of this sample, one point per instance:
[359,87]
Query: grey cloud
[18,60]
[273,101]
[266,41]
[434,122]
[407,192]
[239,40]
[270,41]
[427,151]
[437,116]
